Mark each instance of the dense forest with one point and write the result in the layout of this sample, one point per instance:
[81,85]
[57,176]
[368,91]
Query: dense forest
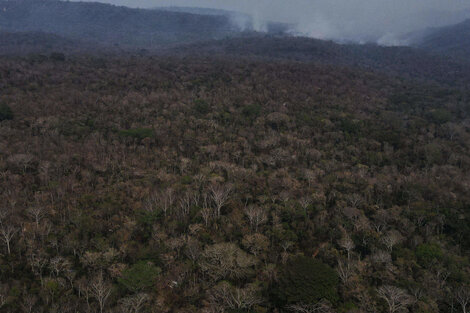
[403,62]
[176,160]
[230,184]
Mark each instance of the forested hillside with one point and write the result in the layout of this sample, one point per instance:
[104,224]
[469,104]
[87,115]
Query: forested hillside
[453,40]
[158,184]
[405,62]
[38,43]
[111,25]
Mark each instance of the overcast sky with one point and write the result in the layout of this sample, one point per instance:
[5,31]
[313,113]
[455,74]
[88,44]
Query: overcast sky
[360,20]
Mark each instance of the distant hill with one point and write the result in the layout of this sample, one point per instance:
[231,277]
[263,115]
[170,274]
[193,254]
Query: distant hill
[55,26]
[402,61]
[451,40]
[108,24]
[24,43]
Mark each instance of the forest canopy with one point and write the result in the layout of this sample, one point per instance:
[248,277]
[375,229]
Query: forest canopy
[223,184]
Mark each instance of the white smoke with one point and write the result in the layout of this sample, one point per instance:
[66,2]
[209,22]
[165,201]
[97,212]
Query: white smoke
[392,40]
[317,27]
[382,21]
[242,22]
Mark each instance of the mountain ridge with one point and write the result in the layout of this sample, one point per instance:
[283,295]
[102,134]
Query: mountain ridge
[452,40]
[110,24]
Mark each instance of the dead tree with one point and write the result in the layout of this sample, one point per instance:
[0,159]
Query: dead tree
[226,296]
[345,271]
[185,205]
[58,265]
[347,244]
[320,307]
[134,304]
[36,213]
[463,298]
[8,232]
[396,298]
[29,303]
[167,198]
[206,215]
[220,195]
[100,290]
[256,216]
[38,262]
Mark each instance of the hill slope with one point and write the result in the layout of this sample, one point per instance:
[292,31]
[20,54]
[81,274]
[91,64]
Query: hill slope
[451,40]
[401,61]
[110,24]
[24,43]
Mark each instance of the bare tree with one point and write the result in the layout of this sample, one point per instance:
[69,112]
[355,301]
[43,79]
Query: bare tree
[354,200]
[134,304]
[8,232]
[167,199]
[256,243]
[381,220]
[38,262]
[185,204]
[391,239]
[396,298]
[220,195]
[381,256]
[59,264]
[345,271]
[226,296]
[29,303]
[463,298]
[206,215]
[256,216]
[36,213]
[286,245]
[305,202]
[320,307]
[226,260]
[347,244]
[100,290]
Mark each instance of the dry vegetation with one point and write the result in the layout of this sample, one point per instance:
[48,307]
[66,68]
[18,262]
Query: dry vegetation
[196,185]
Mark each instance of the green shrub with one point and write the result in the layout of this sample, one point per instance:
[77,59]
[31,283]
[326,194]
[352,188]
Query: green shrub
[306,280]
[57,56]
[146,220]
[76,128]
[186,180]
[440,116]
[5,112]
[201,106]
[428,253]
[348,307]
[350,126]
[400,252]
[140,276]
[251,111]
[137,133]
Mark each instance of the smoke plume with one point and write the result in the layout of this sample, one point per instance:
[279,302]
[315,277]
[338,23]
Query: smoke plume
[383,21]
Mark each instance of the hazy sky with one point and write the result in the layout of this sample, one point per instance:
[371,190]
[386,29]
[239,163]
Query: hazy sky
[359,20]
